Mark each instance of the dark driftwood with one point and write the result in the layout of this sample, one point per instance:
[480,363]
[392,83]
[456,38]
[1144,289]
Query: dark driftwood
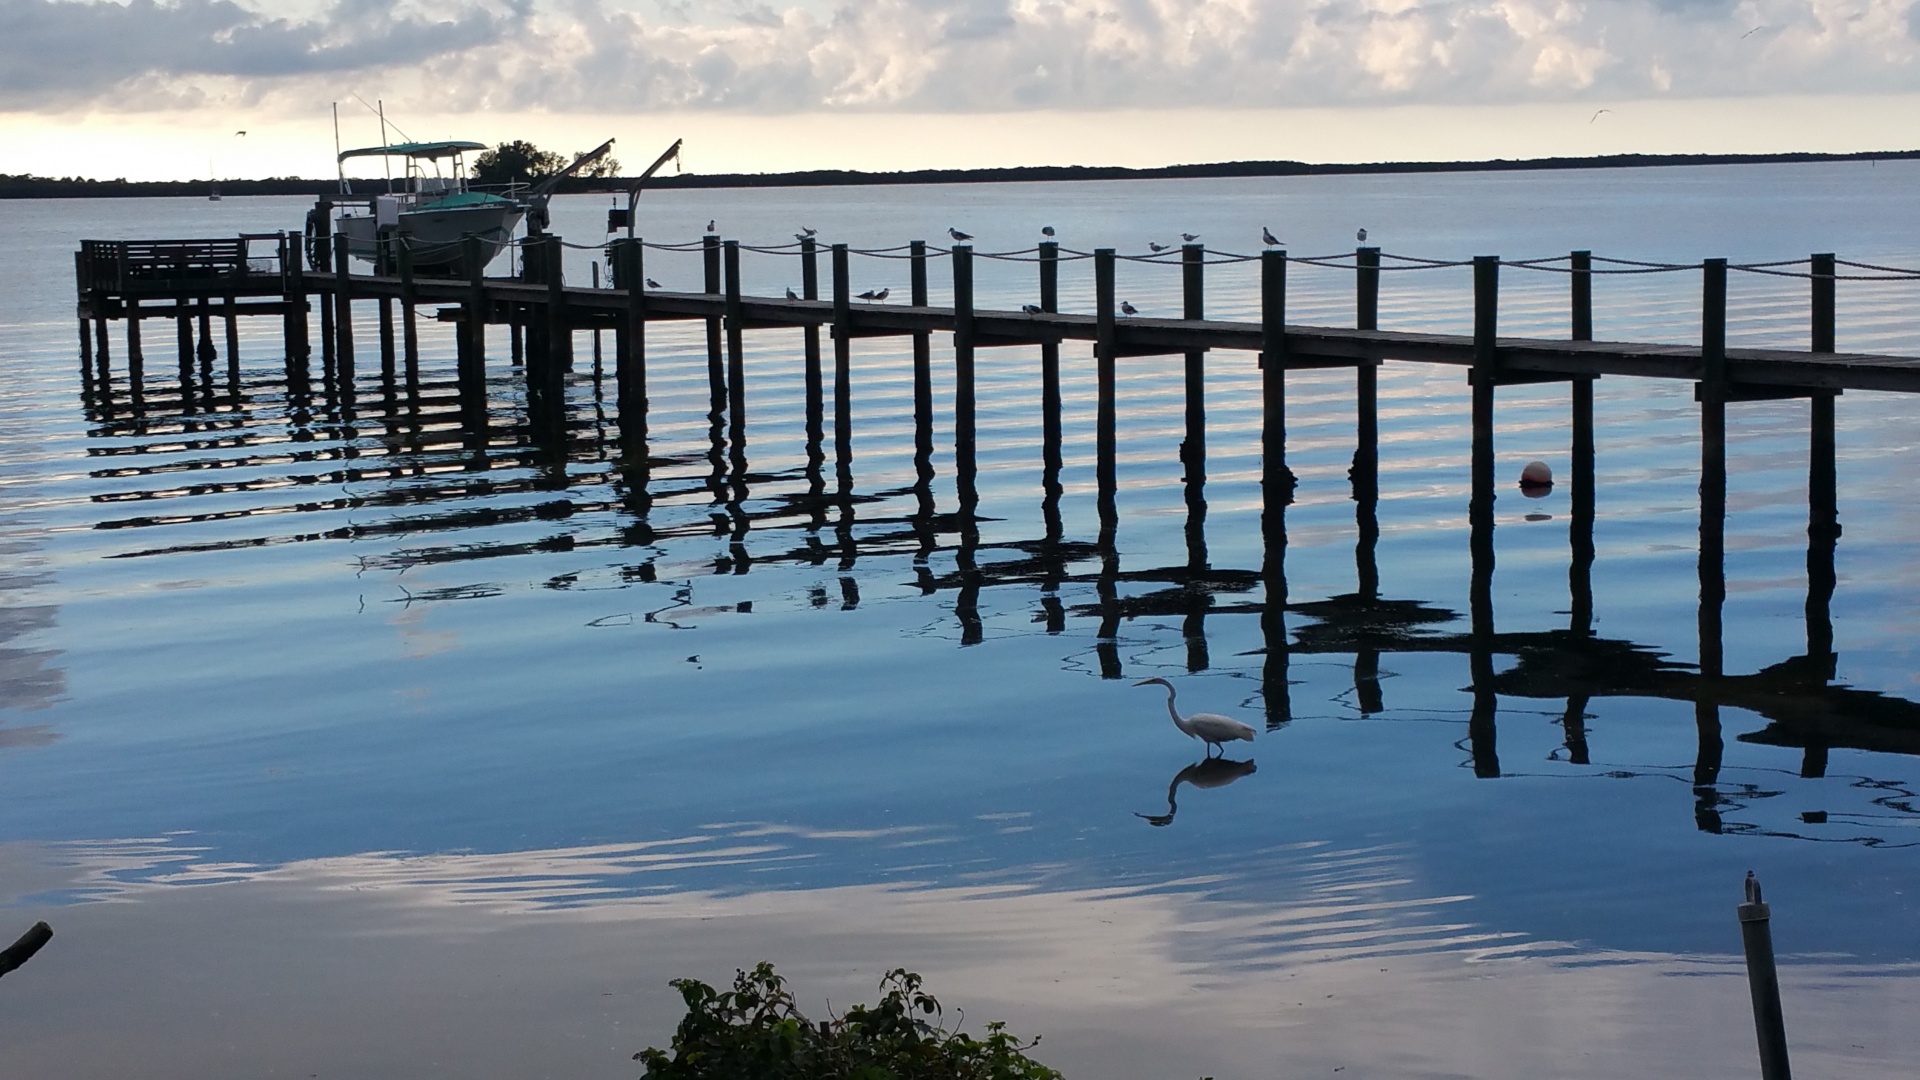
[22,951]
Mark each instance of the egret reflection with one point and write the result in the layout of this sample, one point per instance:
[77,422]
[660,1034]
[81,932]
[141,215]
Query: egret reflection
[1209,772]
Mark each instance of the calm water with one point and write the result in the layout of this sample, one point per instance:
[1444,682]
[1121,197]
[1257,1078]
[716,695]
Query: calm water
[337,739]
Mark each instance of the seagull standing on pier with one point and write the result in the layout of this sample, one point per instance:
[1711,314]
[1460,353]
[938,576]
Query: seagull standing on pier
[652,284]
[1031,309]
[868,295]
[882,294]
[1128,309]
[791,295]
[1272,241]
[958,236]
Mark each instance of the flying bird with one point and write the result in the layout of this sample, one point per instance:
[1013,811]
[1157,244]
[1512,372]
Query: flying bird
[1211,728]
[1596,114]
[1128,309]
[791,295]
[1189,237]
[958,236]
[1743,37]
[1031,309]
[652,284]
[1272,240]
[1046,231]
[1157,248]
[239,133]
[1361,236]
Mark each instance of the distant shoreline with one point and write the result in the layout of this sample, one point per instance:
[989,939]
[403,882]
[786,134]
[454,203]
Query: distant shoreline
[26,186]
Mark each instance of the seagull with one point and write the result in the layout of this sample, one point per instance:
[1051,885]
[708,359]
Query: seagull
[802,237]
[1272,240]
[791,295]
[1128,309]
[882,294]
[1743,37]
[1189,237]
[1157,248]
[243,133]
[1031,309]
[652,284]
[807,231]
[1596,115]
[1046,231]
[1361,236]
[710,222]
[959,236]
[868,295]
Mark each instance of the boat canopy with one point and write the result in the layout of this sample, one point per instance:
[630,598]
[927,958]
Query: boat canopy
[415,150]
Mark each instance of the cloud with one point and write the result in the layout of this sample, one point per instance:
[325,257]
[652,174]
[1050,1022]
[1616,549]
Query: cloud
[770,56]
[142,54]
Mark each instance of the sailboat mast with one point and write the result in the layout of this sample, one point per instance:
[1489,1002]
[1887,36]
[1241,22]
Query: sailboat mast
[338,165]
[385,161]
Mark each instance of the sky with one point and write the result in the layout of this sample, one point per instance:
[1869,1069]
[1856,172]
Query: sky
[160,89]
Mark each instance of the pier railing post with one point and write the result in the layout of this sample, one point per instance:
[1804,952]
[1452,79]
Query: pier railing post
[736,350]
[1822,280]
[963,415]
[1763,982]
[810,342]
[342,311]
[1580,278]
[842,363]
[1486,317]
[1105,355]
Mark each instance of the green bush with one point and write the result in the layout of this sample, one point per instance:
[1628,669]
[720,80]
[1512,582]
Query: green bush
[756,1032]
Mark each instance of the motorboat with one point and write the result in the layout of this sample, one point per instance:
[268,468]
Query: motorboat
[434,209]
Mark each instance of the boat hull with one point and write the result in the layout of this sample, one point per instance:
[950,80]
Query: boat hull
[439,234]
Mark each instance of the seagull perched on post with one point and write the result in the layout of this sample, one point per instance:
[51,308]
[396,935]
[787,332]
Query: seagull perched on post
[710,223]
[1272,241]
[1361,236]
[1189,237]
[1128,309]
[1046,231]
[1157,248]
[806,231]
[958,236]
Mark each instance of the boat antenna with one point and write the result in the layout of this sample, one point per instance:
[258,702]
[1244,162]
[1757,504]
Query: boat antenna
[338,164]
[633,195]
[385,160]
[378,112]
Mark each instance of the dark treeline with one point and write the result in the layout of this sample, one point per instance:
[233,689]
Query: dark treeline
[24,186]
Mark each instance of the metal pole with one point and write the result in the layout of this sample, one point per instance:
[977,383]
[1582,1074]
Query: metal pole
[1769,1024]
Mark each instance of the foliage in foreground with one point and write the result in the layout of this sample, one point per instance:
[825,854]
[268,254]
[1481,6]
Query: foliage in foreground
[756,1032]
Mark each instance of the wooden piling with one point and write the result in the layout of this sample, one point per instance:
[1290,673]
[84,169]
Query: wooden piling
[963,403]
[342,311]
[183,337]
[810,359]
[736,351]
[136,357]
[1366,376]
[473,320]
[1105,356]
[1276,482]
[232,321]
[842,361]
[716,363]
[409,309]
[631,378]
[86,356]
[1822,282]
[1050,449]
[1712,393]
[922,368]
[203,310]
[1486,313]
[559,329]
[597,362]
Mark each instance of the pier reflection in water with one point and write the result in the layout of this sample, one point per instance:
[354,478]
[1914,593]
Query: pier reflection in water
[552,451]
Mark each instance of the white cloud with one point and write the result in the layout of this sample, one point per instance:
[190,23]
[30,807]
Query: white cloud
[770,56]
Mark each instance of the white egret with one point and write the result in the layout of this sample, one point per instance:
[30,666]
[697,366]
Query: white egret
[1213,728]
